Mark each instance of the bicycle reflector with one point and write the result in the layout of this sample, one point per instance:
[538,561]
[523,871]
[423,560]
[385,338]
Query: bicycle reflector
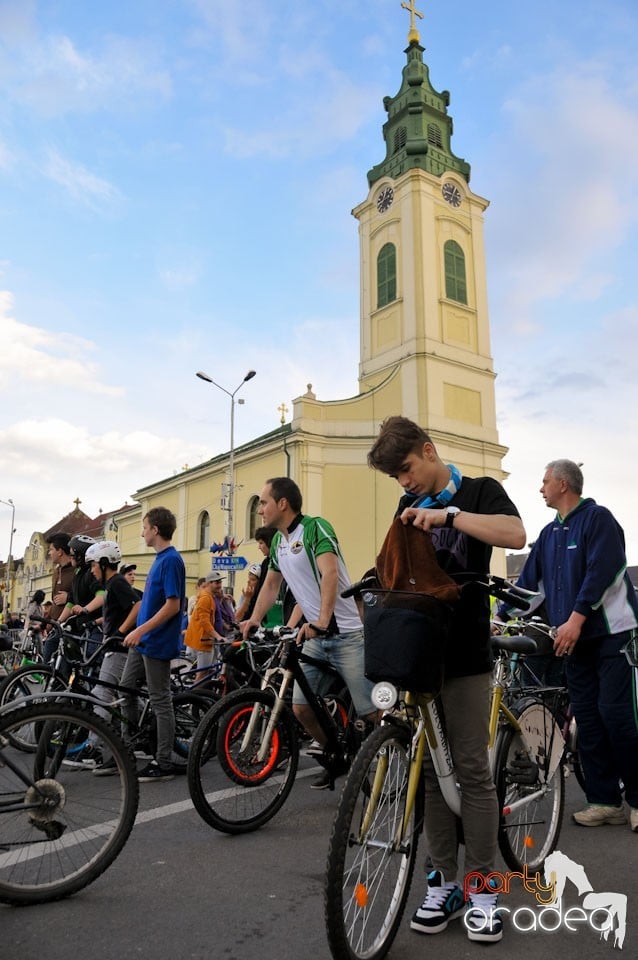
[384,695]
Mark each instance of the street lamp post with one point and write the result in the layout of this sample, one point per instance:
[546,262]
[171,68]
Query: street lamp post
[9,503]
[231,460]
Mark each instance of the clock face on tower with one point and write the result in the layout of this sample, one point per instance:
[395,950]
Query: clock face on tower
[451,194]
[384,199]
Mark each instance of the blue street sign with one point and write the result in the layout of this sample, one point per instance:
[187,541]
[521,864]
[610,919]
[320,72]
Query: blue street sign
[229,563]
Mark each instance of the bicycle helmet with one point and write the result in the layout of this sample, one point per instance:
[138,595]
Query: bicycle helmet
[79,544]
[104,550]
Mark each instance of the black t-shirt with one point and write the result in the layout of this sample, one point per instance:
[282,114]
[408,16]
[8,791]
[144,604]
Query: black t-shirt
[84,587]
[468,647]
[120,599]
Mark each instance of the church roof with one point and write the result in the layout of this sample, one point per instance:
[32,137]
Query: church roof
[78,522]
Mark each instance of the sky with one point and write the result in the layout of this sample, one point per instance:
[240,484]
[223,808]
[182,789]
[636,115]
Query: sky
[176,186]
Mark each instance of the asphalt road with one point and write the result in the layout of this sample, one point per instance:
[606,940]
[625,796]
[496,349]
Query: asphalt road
[181,891]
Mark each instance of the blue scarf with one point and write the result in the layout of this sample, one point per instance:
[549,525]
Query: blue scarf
[443,498]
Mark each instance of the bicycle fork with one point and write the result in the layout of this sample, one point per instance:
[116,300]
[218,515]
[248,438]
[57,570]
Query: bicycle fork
[264,747]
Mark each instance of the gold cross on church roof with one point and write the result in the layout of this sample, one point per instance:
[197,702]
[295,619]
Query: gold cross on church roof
[413,35]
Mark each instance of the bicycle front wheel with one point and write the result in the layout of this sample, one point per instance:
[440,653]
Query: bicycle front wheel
[372,849]
[530,786]
[28,681]
[241,767]
[60,827]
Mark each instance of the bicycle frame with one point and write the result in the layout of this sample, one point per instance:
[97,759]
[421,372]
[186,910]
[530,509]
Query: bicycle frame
[290,663]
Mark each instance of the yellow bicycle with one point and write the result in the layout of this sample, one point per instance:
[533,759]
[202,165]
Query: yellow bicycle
[375,835]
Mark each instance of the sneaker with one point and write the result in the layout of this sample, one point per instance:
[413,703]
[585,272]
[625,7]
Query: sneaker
[633,819]
[482,922]
[152,771]
[321,782]
[314,749]
[597,814]
[443,902]
[108,768]
[142,751]
[88,756]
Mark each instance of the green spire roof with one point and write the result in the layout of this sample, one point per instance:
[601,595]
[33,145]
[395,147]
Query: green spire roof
[418,130]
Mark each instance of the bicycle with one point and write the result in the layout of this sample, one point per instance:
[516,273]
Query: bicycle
[540,673]
[59,831]
[380,816]
[245,752]
[71,672]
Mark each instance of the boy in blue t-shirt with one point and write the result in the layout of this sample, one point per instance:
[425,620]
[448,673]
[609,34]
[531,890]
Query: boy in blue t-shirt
[157,640]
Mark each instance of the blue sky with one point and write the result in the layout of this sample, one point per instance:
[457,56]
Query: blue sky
[176,181]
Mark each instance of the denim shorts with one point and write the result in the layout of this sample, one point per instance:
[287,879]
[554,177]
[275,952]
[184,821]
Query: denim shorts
[345,654]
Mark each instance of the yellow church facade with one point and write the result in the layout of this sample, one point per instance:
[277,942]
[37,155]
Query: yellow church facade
[424,353]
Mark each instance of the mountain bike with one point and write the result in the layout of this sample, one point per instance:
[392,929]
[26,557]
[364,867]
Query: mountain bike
[71,672]
[380,816]
[245,752]
[59,830]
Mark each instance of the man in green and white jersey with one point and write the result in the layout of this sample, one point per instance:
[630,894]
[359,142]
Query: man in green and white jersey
[306,553]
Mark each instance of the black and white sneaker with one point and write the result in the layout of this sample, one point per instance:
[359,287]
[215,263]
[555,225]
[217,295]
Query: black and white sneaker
[152,772]
[88,756]
[443,902]
[482,921]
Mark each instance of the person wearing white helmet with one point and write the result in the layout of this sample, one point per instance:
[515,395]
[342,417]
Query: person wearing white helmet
[121,605]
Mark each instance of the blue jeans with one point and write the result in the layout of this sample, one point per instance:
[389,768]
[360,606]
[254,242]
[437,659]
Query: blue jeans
[345,654]
[602,689]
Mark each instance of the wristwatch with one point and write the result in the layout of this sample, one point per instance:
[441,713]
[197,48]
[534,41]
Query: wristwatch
[451,513]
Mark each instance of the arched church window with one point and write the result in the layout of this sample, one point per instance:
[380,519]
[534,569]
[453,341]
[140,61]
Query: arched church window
[400,138]
[386,275]
[204,531]
[434,135]
[254,520]
[455,282]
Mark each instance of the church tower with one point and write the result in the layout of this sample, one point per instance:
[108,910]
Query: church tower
[423,276]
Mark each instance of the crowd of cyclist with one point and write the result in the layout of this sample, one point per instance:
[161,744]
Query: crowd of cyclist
[463,518]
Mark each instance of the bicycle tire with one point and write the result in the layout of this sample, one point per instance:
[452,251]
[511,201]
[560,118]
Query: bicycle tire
[27,681]
[234,792]
[529,772]
[368,877]
[51,850]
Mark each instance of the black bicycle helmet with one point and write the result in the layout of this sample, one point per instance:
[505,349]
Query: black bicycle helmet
[79,544]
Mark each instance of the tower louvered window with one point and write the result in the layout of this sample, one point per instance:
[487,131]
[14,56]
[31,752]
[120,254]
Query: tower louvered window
[455,281]
[386,275]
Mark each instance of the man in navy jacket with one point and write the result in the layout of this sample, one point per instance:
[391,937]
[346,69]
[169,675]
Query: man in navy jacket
[579,564]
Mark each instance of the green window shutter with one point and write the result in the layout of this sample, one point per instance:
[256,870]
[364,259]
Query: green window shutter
[455,282]
[386,275]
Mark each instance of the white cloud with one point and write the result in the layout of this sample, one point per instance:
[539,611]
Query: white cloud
[570,193]
[35,356]
[52,76]
[82,185]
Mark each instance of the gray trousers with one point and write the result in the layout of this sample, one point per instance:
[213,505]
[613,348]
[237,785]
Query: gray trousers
[156,674]
[111,670]
[466,705]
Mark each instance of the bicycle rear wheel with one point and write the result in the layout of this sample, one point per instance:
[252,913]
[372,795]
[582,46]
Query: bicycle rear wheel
[530,786]
[232,788]
[371,857]
[60,827]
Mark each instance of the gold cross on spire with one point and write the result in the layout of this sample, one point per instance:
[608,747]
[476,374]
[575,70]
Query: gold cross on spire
[413,35]
[283,410]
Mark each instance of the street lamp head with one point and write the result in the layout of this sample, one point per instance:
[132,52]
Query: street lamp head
[250,375]
[204,376]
